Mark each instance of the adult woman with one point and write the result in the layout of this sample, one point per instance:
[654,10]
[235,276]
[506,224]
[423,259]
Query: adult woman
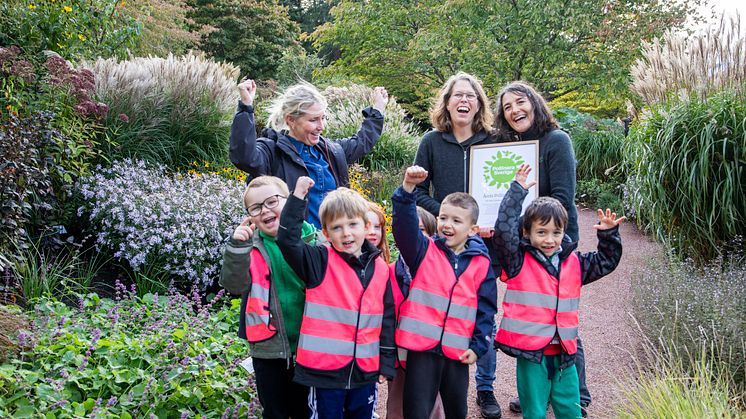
[461,118]
[522,114]
[292,146]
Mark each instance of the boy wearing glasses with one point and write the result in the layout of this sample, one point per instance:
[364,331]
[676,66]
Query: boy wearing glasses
[272,297]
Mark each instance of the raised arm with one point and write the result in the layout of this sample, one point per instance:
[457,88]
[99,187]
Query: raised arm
[234,274]
[507,236]
[409,239]
[245,152]
[308,261]
[362,143]
[596,265]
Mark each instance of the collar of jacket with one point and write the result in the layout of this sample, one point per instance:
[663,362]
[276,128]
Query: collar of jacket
[478,137]
[568,246]
[287,146]
[474,246]
[352,260]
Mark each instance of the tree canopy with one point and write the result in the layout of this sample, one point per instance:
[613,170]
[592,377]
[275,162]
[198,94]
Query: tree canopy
[562,47]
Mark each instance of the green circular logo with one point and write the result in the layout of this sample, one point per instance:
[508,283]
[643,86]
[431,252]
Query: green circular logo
[500,170]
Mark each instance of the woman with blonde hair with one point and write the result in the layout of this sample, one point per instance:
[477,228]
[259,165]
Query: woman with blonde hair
[292,146]
[461,118]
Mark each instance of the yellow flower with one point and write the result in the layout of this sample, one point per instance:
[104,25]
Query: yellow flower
[31,6]
[81,37]
[207,164]
[67,9]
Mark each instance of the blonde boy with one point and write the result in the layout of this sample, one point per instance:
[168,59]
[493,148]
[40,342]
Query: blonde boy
[347,335]
[272,298]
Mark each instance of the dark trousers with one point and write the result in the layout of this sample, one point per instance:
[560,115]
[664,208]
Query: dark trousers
[585,395]
[428,374]
[332,403]
[279,396]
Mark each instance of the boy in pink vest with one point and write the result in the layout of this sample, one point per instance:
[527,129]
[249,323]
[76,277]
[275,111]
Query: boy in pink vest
[446,320]
[346,340]
[544,275]
[272,298]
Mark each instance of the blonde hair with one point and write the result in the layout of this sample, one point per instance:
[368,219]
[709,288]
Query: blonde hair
[383,245]
[441,118]
[264,181]
[342,202]
[294,101]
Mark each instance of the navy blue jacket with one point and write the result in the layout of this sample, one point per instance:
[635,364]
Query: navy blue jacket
[413,245]
[274,154]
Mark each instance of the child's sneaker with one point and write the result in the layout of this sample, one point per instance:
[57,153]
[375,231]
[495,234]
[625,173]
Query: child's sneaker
[488,406]
[515,405]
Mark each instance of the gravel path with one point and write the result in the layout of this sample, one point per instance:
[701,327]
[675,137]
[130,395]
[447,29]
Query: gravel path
[604,326]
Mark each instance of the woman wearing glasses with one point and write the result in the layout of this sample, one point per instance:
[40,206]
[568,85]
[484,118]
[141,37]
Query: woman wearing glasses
[292,145]
[461,118]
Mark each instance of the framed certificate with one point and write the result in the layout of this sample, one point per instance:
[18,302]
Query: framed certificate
[493,168]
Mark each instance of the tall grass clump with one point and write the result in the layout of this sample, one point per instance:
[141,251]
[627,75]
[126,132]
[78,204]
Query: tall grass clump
[681,65]
[687,159]
[679,384]
[172,110]
[163,226]
[398,143]
[688,307]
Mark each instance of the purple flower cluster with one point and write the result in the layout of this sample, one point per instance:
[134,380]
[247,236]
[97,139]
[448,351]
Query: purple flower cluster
[12,64]
[79,83]
[146,216]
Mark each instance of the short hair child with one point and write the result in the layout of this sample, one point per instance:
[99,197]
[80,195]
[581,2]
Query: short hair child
[383,243]
[254,268]
[340,355]
[453,267]
[540,308]
[465,201]
[428,221]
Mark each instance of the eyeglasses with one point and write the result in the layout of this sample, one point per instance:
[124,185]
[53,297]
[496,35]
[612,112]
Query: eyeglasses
[268,203]
[469,96]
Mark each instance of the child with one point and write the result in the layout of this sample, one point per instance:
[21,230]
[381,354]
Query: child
[347,335]
[395,400]
[272,298]
[377,230]
[544,276]
[448,315]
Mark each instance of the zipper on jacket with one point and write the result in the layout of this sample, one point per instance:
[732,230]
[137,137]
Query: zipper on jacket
[466,171]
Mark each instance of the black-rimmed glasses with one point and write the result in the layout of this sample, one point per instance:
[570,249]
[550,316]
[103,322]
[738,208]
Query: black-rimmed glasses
[268,203]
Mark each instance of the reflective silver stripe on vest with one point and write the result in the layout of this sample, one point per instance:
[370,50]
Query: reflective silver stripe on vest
[456,341]
[337,347]
[568,333]
[527,328]
[462,312]
[528,298]
[257,291]
[536,299]
[371,321]
[417,327]
[253,319]
[333,314]
[568,305]
[428,299]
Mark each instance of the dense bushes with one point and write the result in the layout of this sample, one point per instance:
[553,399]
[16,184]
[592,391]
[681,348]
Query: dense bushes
[163,225]
[688,159]
[171,110]
[167,356]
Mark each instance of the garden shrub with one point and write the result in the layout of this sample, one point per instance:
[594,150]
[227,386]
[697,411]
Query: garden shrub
[687,307]
[687,158]
[150,219]
[12,321]
[78,29]
[156,356]
[172,110]
[398,143]
[25,184]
